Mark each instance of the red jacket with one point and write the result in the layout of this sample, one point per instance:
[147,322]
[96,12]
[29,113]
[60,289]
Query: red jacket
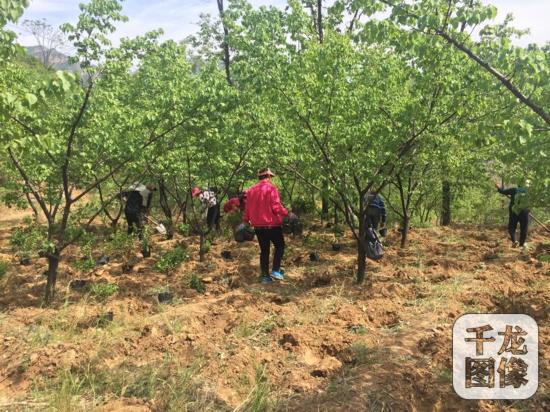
[263,205]
[231,205]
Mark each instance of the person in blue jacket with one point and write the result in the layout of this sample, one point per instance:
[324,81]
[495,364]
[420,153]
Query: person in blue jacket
[376,212]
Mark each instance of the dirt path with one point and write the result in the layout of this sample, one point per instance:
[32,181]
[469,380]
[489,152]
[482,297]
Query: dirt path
[315,342]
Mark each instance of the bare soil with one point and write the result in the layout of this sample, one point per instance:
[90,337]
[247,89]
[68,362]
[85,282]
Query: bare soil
[315,342]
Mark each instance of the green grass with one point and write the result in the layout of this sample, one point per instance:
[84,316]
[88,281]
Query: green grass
[196,283]
[3,267]
[103,291]
[171,385]
[260,398]
[172,259]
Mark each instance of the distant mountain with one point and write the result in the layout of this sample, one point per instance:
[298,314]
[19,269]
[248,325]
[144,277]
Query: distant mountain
[57,60]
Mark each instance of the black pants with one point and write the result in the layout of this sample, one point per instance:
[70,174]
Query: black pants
[373,217]
[213,217]
[133,218]
[523,220]
[265,238]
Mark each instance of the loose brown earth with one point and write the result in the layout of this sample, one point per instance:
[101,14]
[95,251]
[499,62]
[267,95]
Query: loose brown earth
[317,342]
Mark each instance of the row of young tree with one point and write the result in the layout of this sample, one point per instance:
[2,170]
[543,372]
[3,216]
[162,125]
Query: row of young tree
[340,97]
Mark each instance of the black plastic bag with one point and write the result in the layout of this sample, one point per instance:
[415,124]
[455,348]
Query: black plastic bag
[292,225]
[243,233]
[375,250]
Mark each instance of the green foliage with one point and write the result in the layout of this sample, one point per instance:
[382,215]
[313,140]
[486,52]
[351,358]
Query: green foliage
[172,259]
[28,240]
[259,399]
[303,205]
[120,244]
[103,291]
[86,262]
[183,229]
[196,283]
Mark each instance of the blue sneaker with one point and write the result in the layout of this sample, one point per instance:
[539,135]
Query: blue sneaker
[277,275]
[266,279]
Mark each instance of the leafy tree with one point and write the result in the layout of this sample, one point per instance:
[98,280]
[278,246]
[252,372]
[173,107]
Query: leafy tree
[67,138]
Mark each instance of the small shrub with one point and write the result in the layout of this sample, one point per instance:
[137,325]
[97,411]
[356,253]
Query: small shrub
[196,283]
[358,329]
[302,206]
[103,290]
[183,229]
[3,267]
[172,259]
[28,240]
[120,245]
[360,353]
[259,398]
[85,264]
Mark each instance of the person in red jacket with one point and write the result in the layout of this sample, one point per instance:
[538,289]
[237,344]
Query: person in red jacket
[264,211]
[235,203]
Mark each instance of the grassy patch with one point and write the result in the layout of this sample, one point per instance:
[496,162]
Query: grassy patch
[196,283]
[3,267]
[169,385]
[358,329]
[103,291]
[172,259]
[260,397]
[260,329]
[361,354]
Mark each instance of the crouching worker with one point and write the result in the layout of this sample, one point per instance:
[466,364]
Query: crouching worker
[264,211]
[518,210]
[138,202]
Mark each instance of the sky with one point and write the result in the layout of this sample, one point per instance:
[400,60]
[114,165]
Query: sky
[178,18]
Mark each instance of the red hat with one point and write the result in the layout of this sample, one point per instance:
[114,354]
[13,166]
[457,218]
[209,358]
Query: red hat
[196,191]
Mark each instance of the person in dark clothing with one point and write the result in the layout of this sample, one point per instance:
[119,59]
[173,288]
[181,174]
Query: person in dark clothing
[376,212]
[518,213]
[213,214]
[210,202]
[138,203]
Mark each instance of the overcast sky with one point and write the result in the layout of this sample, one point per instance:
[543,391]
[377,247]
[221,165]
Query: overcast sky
[178,18]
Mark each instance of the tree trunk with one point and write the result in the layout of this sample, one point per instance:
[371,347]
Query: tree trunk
[163,200]
[33,207]
[324,202]
[202,250]
[404,230]
[335,215]
[446,204]
[225,44]
[53,264]
[361,261]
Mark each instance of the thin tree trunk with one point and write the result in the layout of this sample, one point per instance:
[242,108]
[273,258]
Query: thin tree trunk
[53,264]
[163,200]
[324,202]
[446,204]
[225,44]
[361,261]
[405,230]
[33,207]
[202,250]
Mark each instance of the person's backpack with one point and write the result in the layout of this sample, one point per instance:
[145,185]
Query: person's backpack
[521,200]
[243,233]
[375,250]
